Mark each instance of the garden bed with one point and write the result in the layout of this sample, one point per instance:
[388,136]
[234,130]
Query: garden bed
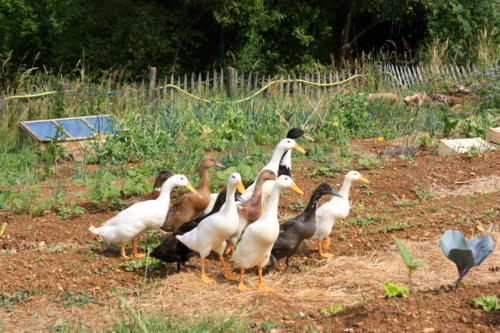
[57,274]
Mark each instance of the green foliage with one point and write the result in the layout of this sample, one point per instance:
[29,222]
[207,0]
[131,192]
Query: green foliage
[331,310]
[410,265]
[298,206]
[69,210]
[215,322]
[135,184]
[8,301]
[75,298]
[103,187]
[366,163]
[392,290]
[487,303]
[22,200]
[407,257]
[148,263]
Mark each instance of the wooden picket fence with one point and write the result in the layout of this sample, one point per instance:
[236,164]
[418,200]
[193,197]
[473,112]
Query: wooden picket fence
[77,97]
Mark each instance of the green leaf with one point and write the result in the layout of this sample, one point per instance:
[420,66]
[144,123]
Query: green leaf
[405,253]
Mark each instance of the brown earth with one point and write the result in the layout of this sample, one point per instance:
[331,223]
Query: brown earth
[49,255]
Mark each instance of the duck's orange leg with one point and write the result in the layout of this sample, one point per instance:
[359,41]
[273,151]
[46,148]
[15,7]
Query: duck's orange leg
[227,274]
[320,251]
[326,242]
[135,252]
[203,277]
[262,286]
[123,253]
[241,285]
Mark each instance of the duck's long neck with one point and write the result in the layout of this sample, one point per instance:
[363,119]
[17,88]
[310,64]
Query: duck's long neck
[157,185]
[164,196]
[311,206]
[257,191]
[344,190]
[203,184]
[230,204]
[274,164]
[272,205]
[286,159]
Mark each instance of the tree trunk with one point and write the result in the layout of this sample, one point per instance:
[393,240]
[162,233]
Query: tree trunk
[344,35]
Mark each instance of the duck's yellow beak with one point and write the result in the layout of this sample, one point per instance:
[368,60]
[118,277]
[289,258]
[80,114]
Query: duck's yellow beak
[296,188]
[299,148]
[308,138]
[191,188]
[363,179]
[240,187]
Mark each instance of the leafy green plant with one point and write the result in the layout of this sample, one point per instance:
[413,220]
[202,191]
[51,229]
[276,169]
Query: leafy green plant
[473,151]
[391,290]
[150,263]
[20,200]
[9,301]
[331,310]
[368,162]
[135,184]
[69,210]
[487,303]
[298,206]
[266,326]
[410,265]
[465,254]
[103,188]
[75,298]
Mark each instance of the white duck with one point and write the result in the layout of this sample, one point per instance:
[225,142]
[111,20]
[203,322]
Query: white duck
[212,232]
[334,210]
[255,247]
[132,222]
[274,165]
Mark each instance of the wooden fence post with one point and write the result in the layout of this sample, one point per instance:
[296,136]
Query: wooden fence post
[231,81]
[152,81]
[61,88]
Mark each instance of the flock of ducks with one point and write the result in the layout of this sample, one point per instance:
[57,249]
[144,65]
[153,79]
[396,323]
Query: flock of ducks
[239,221]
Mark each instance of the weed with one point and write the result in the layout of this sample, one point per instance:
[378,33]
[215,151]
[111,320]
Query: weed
[432,209]
[266,326]
[391,290]
[102,187]
[9,301]
[367,192]
[297,207]
[331,310]
[149,262]
[75,298]
[487,303]
[369,162]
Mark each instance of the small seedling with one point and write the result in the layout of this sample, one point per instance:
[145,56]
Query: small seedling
[391,290]
[331,310]
[410,265]
[487,303]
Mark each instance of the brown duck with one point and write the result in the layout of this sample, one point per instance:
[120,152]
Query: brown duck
[251,210]
[160,179]
[190,205]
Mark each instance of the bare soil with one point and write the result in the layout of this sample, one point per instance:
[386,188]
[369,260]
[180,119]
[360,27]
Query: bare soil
[49,255]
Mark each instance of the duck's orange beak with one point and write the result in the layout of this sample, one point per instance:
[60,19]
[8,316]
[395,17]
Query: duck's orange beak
[296,188]
[191,188]
[240,187]
[299,148]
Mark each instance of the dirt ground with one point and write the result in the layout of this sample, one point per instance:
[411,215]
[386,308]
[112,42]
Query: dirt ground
[45,257]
